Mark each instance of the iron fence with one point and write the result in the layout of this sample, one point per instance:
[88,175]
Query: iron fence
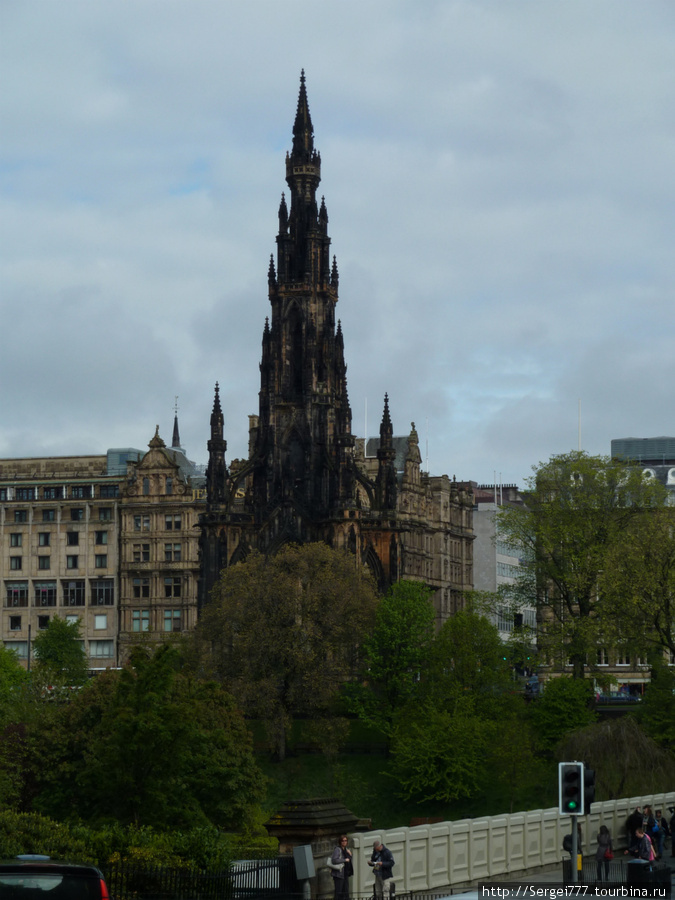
[265,879]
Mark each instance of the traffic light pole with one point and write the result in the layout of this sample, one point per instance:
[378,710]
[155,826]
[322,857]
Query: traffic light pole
[575,850]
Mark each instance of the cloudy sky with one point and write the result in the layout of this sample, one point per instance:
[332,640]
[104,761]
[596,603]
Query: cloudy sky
[499,178]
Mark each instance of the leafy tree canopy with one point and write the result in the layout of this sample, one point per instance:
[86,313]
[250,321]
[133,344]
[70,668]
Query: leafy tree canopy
[59,653]
[566,705]
[12,678]
[439,754]
[656,713]
[469,656]
[627,762]
[448,742]
[151,746]
[283,633]
[395,654]
[639,581]
[578,510]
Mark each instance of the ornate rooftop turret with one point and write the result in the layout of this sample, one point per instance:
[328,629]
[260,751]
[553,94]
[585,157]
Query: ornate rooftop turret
[216,471]
[385,483]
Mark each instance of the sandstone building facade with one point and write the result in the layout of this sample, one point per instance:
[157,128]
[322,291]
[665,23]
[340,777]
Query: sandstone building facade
[108,540]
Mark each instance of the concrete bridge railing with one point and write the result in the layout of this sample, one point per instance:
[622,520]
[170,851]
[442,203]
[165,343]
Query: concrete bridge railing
[457,854]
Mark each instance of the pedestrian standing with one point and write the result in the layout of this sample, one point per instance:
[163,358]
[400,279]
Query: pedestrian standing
[341,868]
[382,861]
[604,854]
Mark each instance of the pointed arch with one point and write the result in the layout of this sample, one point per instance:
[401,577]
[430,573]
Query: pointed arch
[241,552]
[374,564]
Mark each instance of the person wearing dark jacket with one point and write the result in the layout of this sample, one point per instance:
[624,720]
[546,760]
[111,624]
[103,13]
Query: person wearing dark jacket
[341,868]
[642,847]
[633,822]
[382,862]
[604,845]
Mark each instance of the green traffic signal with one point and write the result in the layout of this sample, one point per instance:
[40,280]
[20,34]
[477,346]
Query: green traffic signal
[571,787]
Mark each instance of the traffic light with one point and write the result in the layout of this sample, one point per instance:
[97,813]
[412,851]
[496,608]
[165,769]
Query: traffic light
[571,788]
[589,789]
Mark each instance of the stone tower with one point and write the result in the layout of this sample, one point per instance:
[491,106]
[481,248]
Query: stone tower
[303,480]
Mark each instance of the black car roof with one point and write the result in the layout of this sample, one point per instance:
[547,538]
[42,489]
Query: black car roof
[57,866]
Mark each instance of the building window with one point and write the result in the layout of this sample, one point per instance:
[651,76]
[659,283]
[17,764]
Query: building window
[101,537]
[140,620]
[15,623]
[602,657]
[146,486]
[44,562]
[101,649]
[172,620]
[172,523]
[43,622]
[16,563]
[141,552]
[80,491]
[18,647]
[105,514]
[20,516]
[109,491]
[76,514]
[172,553]
[44,539]
[100,621]
[101,561]
[52,493]
[17,593]
[169,485]
[72,620]
[102,592]
[172,587]
[72,562]
[48,515]
[3,494]
[25,493]
[622,658]
[15,539]
[72,538]
[141,523]
[45,593]
[73,593]
[141,588]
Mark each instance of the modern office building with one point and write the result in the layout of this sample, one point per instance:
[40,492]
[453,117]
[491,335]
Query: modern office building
[495,561]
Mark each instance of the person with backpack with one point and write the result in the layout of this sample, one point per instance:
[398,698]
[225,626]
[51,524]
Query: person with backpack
[642,848]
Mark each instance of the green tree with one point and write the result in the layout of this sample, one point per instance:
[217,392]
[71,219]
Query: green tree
[469,656]
[13,677]
[60,658]
[21,708]
[656,713]
[439,754]
[150,746]
[446,743]
[566,705]
[627,762]
[395,654]
[639,581]
[578,510]
[283,633]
